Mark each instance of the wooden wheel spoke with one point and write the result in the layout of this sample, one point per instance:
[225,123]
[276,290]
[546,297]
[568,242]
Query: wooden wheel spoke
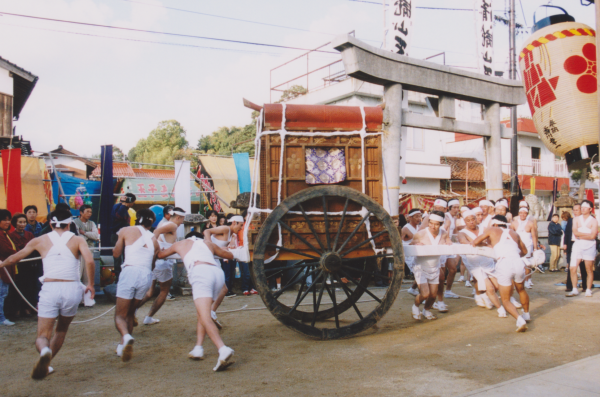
[311,227]
[290,283]
[298,301]
[335,311]
[326,221]
[360,286]
[337,236]
[286,227]
[365,272]
[291,267]
[291,250]
[364,242]
[346,289]
[318,304]
[354,231]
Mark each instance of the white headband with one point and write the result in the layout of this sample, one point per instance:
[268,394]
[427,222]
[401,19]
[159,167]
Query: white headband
[414,211]
[585,205]
[523,209]
[497,222]
[434,217]
[58,223]
[464,208]
[523,204]
[236,218]
[468,213]
[501,204]
[440,203]
[453,202]
[171,212]
[477,210]
[485,202]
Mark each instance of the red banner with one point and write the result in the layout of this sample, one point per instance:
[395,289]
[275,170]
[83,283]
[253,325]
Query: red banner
[11,170]
[212,202]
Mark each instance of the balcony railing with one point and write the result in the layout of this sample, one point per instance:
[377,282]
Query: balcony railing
[533,167]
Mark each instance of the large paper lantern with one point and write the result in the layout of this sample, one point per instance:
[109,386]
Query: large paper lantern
[558,64]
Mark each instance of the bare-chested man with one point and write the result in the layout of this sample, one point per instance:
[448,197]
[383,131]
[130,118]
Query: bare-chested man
[427,268]
[585,228]
[481,267]
[527,231]
[501,208]
[207,280]
[140,248]
[408,233]
[486,207]
[452,261]
[61,291]
[510,268]
[166,235]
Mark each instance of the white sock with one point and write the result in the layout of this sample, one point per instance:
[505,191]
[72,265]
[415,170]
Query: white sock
[45,350]
[278,286]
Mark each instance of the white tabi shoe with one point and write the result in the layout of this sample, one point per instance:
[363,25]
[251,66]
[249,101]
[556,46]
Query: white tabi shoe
[502,312]
[451,295]
[416,313]
[413,291]
[479,301]
[120,350]
[213,316]
[50,370]
[127,348]
[461,279]
[515,302]
[526,316]
[428,315]
[225,354]
[440,307]
[573,293]
[488,303]
[588,293]
[151,321]
[468,284]
[197,353]
[40,370]
[521,324]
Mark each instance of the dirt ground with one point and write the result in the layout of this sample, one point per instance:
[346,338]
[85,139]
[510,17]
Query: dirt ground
[464,349]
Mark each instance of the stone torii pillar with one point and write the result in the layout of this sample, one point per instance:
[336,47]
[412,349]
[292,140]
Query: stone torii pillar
[396,72]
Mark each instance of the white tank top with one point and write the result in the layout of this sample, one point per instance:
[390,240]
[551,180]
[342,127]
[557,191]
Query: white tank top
[161,239]
[507,247]
[198,253]
[525,236]
[412,230]
[485,222]
[141,252]
[474,260]
[60,263]
[221,243]
[585,229]
[430,262]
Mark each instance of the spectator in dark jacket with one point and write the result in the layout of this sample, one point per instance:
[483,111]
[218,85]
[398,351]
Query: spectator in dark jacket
[554,236]
[25,277]
[7,248]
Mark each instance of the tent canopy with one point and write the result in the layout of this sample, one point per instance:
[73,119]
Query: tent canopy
[224,175]
[32,185]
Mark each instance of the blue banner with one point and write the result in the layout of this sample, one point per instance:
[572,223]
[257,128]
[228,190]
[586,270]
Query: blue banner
[242,166]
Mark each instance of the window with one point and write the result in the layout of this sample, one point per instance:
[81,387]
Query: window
[535,153]
[415,138]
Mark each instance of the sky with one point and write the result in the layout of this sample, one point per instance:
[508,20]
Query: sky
[102,86]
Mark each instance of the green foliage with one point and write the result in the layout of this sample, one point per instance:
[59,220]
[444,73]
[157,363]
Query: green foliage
[227,140]
[118,154]
[576,175]
[166,143]
[293,92]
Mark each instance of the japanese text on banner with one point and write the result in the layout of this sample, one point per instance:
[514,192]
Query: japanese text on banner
[401,26]
[484,33]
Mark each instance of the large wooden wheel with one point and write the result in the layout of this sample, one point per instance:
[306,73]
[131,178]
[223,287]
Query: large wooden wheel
[336,255]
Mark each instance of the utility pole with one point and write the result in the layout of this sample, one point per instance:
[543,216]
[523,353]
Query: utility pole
[513,110]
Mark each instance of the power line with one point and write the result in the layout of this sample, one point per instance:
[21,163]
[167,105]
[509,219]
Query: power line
[421,8]
[165,33]
[224,17]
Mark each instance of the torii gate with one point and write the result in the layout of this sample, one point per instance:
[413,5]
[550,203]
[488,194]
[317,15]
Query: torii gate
[397,72]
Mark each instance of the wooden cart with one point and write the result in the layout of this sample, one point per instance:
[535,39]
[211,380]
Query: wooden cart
[323,237]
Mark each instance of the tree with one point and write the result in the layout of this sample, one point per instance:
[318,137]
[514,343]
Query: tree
[293,92]
[166,143]
[228,140]
[580,176]
[118,154]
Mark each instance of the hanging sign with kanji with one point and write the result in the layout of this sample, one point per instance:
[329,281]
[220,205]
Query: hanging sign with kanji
[484,29]
[400,31]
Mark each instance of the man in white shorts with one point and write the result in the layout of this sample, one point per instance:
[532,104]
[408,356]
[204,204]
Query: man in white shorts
[408,233]
[141,248]
[166,235]
[481,267]
[427,268]
[585,229]
[453,260]
[510,268]
[527,231]
[207,280]
[61,291]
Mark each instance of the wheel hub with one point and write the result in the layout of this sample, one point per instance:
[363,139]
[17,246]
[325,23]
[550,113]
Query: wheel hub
[331,262]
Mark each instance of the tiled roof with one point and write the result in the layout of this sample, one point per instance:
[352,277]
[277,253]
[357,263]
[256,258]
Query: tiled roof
[120,170]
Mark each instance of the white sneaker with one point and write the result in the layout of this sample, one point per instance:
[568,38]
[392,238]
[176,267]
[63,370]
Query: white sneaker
[440,307]
[468,284]
[50,370]
[573,293]
[488,303]
[413,291]
[474,292]
[515,302]
[479,301]
[526,316]
[521,324]
[461,279]
[451,295]
[40,370]
[225,354]
[151,321]
[528,284]
[588,293]
[428,315]
[502,312]
[7,323]
[120,350]
[197,353]
[127,348]
[213,315]
[416,313]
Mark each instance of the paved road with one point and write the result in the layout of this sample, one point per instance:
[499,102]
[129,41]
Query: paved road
[576,379]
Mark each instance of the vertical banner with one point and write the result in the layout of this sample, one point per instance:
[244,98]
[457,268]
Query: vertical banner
[183,192]
[11,169]
[401,26]
[206,185]
[107,198]
[484,32]
[242,166]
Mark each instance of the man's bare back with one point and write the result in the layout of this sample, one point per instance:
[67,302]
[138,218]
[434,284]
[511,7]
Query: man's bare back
[422,238]
[168,230]
[493,235]
[184,246]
